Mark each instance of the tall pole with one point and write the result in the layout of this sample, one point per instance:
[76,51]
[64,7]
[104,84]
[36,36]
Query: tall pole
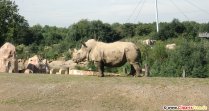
[156,15]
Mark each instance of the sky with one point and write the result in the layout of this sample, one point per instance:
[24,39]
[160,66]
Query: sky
[63,13]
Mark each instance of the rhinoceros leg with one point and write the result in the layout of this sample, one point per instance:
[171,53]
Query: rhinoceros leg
[138,69]
[100,67]
[132,71]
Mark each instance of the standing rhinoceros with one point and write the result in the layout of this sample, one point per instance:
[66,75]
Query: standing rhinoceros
[109,54]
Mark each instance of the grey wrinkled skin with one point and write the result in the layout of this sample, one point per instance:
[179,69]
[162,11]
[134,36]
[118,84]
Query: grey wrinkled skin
[113,54]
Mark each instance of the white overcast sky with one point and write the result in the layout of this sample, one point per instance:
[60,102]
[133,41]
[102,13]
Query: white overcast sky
[63,13]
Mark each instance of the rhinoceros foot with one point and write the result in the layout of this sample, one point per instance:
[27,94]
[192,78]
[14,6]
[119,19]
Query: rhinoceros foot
[139,75]
[100,75]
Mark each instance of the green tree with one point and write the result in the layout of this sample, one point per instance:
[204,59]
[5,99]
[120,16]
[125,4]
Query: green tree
[204,27]
[191,30]
[144,29]
[98,30]
[13,26]
[37,35]
[171,30]
[128,29]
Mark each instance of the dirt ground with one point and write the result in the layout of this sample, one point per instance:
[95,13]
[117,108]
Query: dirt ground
[39,92]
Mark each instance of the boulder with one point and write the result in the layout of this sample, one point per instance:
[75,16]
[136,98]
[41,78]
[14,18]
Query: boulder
[44,67]
[35,65]
[8,61]
[21,65]
[28,71]
[81,72]
[170,46]
[70,64]
[56,64]
[62,67]
[59,71]
[148,42]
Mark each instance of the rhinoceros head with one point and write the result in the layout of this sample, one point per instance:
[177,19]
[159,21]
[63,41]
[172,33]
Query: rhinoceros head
[83,53]
[80,55]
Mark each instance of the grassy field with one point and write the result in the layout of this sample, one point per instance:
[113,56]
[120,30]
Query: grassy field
[39,92]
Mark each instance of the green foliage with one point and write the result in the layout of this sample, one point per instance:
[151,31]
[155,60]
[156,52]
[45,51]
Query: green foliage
[22,51]
[144,29]
[171,30]
[189,56]
[204,27]
[128,29]
[13,27]
[191,30]
[81,68]
[85,29]
[125,69]
[51,42]
[67,56]
[91,66]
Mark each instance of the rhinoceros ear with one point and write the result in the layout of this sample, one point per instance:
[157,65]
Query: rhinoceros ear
[83,44]
[75,50]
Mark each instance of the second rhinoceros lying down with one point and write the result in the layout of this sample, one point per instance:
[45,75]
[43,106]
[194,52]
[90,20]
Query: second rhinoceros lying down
[109,54]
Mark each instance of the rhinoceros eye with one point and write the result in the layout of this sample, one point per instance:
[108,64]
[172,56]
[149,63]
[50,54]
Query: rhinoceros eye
[78,54]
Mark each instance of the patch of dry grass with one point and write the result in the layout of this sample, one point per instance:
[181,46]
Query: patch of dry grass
[39,92]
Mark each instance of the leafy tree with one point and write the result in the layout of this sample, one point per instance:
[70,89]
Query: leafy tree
[144,29]
[171,30]
[118,28]
[128,29]
[80,30]
[85,29]
[204,27]
[13,27]
[191,30]
[37,35]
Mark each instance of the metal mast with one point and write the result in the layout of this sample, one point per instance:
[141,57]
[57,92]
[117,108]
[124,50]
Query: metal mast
[156,15]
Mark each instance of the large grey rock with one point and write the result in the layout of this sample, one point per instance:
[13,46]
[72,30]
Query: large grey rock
[8,61]
[35,65]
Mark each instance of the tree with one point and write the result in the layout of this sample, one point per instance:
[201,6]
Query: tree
[171,30]
[98,30]
[128,29]
[144,29]
[36,35]
[204,27]
[191,30]
[13,26]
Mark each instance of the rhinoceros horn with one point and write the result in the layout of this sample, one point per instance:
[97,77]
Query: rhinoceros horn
[83,44]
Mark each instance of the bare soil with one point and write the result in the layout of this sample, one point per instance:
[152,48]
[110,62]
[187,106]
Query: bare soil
[42,92]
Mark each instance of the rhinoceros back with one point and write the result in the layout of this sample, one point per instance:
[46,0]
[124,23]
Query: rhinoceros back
[114,54]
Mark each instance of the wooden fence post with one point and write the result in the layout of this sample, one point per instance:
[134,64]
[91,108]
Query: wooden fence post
[146,70]
[183,73]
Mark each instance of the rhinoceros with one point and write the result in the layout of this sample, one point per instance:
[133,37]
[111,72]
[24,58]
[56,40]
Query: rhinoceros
[113,54]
